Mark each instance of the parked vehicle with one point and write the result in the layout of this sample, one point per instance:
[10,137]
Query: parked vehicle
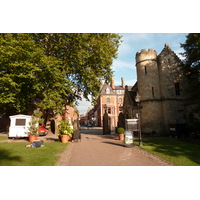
[42,130]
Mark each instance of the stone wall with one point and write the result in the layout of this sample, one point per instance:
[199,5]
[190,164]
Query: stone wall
[162,88]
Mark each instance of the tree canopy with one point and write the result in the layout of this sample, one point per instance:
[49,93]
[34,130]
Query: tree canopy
[192,66]
[50,70]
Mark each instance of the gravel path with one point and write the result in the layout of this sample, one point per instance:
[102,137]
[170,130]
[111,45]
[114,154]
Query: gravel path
[96,149]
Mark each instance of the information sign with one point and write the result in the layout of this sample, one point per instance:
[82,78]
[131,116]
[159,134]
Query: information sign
[128,138]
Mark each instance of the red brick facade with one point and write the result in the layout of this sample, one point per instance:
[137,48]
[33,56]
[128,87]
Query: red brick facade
[110,101]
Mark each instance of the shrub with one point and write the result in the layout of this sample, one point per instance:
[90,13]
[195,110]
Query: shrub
[120,130]
[64,128]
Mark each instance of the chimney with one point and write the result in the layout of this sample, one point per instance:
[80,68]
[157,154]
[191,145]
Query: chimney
[113,83]
[123,84]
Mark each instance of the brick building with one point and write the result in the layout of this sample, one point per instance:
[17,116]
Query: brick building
[110,101]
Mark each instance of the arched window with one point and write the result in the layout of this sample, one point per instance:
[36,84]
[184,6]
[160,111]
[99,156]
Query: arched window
[107,100]
[107,91]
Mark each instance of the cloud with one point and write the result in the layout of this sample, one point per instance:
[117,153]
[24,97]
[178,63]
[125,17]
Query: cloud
[119,65]
[130,40]
[131,37]
[84,105]
[178,51]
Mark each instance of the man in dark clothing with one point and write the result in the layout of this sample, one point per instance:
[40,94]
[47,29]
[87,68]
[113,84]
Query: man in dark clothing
[37,143]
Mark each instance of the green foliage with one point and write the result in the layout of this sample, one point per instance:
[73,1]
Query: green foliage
[64,128]
[192,68]
[120,130]
[34,123]
[52,70]
[192,72]
[15,154]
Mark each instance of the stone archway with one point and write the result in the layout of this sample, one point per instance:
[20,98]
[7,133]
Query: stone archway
[53,126]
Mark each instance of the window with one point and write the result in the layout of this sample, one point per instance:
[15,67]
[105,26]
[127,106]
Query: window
[113,110]
[108,100]
[145,70]
[177,89]
[119,92]
[107,91]
[152,91]
[20,122]
[109,110]
[120,100]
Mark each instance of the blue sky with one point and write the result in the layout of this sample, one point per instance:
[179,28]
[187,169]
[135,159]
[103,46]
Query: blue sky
[124,65]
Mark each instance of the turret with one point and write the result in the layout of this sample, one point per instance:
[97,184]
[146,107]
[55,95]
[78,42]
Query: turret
[146,55]
[149,90]
[147,72]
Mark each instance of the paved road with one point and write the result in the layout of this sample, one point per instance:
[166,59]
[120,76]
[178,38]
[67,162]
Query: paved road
[96,149]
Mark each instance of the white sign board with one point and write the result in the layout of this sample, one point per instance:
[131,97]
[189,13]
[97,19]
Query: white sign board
[128,138]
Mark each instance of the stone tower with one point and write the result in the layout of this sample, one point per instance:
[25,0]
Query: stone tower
[162,88]
[149,90]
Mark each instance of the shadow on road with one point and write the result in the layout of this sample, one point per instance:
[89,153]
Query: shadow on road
[122,145]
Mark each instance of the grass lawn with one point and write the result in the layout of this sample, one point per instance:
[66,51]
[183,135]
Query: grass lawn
[176,152]
[15,154]
[3,138]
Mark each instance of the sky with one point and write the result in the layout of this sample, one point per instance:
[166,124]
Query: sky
[124,65]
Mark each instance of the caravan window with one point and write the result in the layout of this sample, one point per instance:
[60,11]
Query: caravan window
[20,122]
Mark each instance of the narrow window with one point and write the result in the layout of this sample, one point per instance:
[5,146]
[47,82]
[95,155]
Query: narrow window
[152,91]
[120,100]
[108,100]
[109,110]
[145,70]
[113,110]
[177,89]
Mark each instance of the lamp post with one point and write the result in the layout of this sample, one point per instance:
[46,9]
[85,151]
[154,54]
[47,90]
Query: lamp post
[137,100]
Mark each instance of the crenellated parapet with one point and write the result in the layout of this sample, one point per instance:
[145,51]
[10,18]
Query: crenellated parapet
[144,55]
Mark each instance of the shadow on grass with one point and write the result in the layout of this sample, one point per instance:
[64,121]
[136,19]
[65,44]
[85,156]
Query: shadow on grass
[5,156]
[175,149]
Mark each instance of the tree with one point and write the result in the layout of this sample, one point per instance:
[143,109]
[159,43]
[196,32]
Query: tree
[192,66]
[52,70]
[192,72]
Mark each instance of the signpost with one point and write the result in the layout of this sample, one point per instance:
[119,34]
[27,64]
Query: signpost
[129,139]
[131,126]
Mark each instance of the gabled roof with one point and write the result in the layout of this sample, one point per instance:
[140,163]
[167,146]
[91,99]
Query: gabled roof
[131,93]
[168,51]
[119,88]
[105,86]
[135,87]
